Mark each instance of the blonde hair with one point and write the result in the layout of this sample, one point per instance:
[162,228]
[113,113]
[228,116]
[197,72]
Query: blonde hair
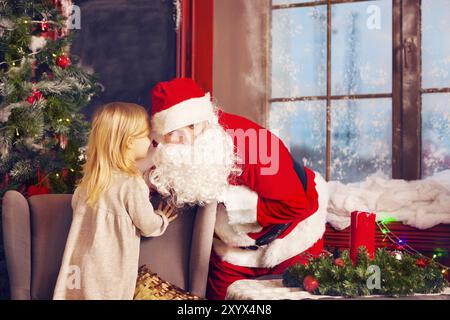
[113,126]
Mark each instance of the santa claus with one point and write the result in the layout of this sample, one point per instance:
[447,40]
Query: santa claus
[269,216]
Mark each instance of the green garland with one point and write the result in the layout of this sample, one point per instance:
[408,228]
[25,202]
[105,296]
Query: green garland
[401,274]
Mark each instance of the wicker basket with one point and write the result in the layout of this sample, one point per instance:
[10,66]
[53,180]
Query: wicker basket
[150,286]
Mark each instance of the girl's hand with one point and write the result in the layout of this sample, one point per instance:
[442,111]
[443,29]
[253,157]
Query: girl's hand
[168,211]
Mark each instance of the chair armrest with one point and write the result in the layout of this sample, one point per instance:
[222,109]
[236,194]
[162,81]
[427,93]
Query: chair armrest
[17,242]
[201,246]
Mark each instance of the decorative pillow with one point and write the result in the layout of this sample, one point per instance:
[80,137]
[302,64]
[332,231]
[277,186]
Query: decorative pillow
[150,286]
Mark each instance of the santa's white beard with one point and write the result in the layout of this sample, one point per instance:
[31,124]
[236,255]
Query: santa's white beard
[197,173]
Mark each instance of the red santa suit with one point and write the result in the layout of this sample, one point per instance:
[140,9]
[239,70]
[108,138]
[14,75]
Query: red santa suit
[254,203]
[268,192]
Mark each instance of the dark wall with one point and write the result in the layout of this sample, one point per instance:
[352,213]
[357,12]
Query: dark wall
[129,44]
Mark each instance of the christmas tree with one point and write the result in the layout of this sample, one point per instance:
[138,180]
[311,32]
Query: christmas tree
[42,90]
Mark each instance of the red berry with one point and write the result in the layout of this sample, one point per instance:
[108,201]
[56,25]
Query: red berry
[339,262]
[421,263]
[31,99]
[37,95]
[310,284]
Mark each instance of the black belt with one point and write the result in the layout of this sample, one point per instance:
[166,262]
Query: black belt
[278,229]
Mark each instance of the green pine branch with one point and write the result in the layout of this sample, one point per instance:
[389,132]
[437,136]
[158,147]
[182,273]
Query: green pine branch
[398,277]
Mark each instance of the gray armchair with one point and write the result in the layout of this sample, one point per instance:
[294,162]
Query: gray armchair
[35,232]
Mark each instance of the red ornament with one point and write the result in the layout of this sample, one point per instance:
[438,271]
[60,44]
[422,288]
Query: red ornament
[63,61]
[421,263]
[30,99]
[45,26]
[35,96]
[339,262]
[310,284]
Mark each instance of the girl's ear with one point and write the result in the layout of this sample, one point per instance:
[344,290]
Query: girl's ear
[129,143]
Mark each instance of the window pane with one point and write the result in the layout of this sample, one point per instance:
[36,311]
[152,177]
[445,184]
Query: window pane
[435,43]
[361,138]
[435,133]
[361,58]
[302,127]
[299,52]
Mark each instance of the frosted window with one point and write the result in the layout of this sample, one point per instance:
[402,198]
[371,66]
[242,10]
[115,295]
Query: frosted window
[361,138]
[299,47]
[435,133]
[435,43]
[302,127]
[361,58]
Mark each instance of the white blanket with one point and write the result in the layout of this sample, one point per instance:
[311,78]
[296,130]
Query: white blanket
[421,203]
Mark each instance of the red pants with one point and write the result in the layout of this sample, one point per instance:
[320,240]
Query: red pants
[222,274]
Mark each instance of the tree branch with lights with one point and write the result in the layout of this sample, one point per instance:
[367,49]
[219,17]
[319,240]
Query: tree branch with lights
[42,91]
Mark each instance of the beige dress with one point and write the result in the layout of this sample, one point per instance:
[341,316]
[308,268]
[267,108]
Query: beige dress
[102,250]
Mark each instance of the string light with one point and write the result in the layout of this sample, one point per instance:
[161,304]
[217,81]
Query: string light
[396,240]
[388,220]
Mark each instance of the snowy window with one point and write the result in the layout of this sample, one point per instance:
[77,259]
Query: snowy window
[336,95]
[435,86]
[335,78]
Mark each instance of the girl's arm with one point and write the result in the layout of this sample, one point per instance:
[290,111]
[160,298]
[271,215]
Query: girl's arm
[150,223]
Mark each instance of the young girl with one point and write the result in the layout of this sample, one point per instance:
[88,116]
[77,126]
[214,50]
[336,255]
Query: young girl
[111,209]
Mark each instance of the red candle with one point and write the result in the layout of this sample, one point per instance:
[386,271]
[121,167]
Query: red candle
[362,234]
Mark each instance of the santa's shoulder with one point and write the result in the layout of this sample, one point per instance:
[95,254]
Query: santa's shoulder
[234,121]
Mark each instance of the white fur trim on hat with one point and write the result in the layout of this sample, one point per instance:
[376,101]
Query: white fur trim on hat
[183,114]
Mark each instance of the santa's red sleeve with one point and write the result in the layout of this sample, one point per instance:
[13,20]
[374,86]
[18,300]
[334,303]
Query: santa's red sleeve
[269,197]
[270,200]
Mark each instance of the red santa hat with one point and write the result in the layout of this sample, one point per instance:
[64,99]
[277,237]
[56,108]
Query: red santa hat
[179,103]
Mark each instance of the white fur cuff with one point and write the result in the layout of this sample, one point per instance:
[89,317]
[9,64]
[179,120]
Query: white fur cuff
[241,204]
